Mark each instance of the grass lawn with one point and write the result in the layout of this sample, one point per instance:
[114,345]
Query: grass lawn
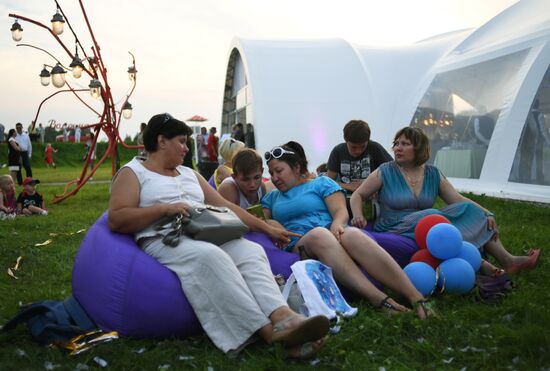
[466,334]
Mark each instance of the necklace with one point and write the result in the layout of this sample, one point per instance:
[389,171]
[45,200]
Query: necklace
[412,181]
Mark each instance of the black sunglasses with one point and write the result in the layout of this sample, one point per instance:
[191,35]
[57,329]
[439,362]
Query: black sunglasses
[276,153]
[167,117]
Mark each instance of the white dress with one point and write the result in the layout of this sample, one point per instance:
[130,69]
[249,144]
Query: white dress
[230,287]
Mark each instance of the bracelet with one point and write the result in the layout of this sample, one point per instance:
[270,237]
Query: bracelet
[489,214]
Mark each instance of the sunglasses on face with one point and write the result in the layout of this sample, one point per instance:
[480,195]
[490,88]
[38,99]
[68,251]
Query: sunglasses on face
[276,153]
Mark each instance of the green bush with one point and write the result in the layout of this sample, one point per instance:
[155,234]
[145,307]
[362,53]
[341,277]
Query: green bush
[69,154]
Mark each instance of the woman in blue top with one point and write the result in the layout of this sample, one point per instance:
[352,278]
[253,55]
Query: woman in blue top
[316,209]
[407,190]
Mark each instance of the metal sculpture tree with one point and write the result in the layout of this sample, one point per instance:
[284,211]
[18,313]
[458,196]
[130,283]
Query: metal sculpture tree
[109,118]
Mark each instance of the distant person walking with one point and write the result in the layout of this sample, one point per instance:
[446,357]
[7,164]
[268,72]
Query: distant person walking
[41,133]
[239,132]
[14,156]
[213,145]
[249,139]
[2,128]
[90,152]
[202,145]
[25,147]
[77,133]
[65,133]
[48,155]
[33,134]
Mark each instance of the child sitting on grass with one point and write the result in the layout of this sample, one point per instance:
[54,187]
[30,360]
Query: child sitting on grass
[29,201]
[48,155]
[8,205]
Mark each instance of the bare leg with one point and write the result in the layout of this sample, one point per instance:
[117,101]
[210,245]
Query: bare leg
[35,209]
[378,263]
[488,269]
[26,212]
[321,244]
[499,252]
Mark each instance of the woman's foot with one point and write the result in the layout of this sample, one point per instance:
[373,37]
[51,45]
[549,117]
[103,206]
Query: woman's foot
[423,309]
[524,262]
[390,306]
[488,269]
[298,330]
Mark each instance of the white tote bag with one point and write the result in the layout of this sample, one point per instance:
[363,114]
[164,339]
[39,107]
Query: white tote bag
[319,293]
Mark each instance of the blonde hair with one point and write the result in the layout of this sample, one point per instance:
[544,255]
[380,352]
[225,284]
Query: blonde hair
[4,178]
[229,148]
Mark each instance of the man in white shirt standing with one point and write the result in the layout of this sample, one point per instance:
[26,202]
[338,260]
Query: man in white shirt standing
[26,151]
[77,133]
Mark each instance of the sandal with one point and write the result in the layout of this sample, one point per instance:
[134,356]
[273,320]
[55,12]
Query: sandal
[388,307]
[530,263]
[306,351]
[310,329]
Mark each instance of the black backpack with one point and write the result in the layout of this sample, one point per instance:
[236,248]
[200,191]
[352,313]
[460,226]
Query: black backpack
[52,322]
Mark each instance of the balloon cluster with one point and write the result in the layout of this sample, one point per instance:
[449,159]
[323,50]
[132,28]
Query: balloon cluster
[444,260]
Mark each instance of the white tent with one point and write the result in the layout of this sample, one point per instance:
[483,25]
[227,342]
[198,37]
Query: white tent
[482,96]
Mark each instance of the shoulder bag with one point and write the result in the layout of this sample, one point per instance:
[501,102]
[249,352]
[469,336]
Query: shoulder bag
[216,225]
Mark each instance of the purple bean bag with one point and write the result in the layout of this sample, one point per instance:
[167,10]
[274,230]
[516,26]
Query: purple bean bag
[212,182]
[401,248]
[124,289]
[280,260]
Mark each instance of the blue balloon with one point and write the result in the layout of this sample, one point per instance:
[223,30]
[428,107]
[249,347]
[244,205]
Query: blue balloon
[456,276]
[422,276]
[444,241]
[471,254]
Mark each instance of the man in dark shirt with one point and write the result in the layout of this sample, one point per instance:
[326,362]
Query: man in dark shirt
[239,132]
[350,163]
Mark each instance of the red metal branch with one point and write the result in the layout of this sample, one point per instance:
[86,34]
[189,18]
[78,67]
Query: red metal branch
[108,122]
[52,95]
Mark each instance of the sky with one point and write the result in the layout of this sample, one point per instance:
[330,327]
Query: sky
[182,47]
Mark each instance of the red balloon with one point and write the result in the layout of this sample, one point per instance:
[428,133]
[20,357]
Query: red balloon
[424,225]
[425,257]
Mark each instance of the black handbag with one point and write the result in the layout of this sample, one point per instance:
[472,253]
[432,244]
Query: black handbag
[216,225]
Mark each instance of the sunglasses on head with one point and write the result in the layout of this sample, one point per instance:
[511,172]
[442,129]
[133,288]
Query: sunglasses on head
[276,153]
[167,117]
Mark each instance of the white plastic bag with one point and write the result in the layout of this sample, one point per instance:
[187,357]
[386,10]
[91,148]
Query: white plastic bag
[319,293]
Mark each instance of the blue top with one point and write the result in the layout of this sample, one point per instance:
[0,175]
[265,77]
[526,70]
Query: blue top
[397,199]
[302,208]
[401,209]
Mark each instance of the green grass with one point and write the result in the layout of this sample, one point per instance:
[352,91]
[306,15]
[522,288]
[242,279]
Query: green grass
[466,334]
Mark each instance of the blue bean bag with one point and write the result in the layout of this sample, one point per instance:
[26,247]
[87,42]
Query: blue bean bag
[123,289]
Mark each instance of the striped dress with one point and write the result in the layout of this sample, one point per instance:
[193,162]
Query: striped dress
[400,209]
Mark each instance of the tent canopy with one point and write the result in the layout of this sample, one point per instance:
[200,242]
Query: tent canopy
[472,91]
